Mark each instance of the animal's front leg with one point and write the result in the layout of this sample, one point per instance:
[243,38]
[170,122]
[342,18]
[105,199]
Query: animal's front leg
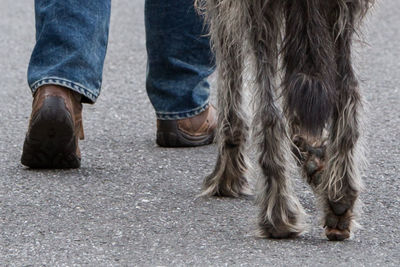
[309,82]
[229,176]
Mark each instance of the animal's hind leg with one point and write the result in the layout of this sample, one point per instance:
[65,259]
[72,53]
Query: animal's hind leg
[229,176]
[331,167]
[341,182]
[309,65]
[281,214]
[308,83]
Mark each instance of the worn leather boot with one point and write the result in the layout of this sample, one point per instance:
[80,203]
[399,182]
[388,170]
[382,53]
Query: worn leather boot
[195,131]
[54,129]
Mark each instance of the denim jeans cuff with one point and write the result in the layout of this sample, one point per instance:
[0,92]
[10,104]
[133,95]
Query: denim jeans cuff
[181,115]
[87,94]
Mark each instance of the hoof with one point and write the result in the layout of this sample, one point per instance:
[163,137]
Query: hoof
[271,233]
[229,177]
[222,187]
[284,235]
[267,230]
[337,234]
[338,225]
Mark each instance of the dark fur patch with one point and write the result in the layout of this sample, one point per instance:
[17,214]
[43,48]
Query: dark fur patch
[311,100]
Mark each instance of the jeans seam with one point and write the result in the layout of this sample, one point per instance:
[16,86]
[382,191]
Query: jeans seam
[65,83]
[183,114]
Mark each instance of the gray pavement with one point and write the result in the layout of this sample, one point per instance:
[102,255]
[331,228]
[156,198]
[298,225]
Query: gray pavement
[133,203]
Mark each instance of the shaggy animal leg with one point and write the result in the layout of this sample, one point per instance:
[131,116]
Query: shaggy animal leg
[309,65]
[281,214]
[341,181]
[229,176]
[309,82]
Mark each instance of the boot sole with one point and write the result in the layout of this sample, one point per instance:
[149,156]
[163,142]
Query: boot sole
[50,142]
[169,135]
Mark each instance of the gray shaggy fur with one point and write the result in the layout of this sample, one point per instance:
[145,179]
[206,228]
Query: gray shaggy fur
[309,41]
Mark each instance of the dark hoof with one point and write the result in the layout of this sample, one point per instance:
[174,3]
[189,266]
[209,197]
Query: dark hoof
[336,234]
[338,226]
[271,233]
[283,235]
[228,182]
[220,187]
[266,230]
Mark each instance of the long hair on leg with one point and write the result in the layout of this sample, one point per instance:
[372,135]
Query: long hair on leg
[308,61]
[318,46]
[228,25]
[320,91]
[280,213]
[308,86]
[341,183]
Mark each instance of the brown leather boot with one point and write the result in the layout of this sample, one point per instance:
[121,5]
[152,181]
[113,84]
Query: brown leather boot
[195,131]
[54,129]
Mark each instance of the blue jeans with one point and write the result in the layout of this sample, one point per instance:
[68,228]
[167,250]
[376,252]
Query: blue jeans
[71,44]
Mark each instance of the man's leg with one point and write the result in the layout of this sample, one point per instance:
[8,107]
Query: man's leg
[65,69]
[179,62]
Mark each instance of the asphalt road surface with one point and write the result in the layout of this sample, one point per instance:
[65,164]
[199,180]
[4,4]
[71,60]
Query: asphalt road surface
[133,203]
